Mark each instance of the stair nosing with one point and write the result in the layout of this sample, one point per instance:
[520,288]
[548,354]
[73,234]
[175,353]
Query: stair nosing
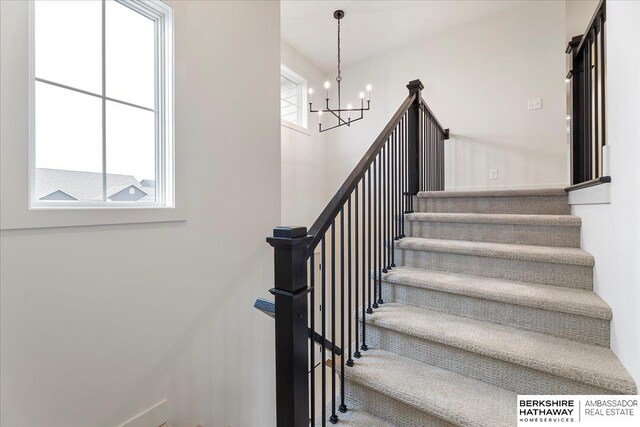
[602,313]
[533,192]
[534,253]
[575,373]
[570,221]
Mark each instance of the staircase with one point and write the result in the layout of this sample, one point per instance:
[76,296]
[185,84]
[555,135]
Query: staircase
[433,307]
[492,297]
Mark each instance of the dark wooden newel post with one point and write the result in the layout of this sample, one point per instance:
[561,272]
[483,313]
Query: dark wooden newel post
[413,146]
[292,383]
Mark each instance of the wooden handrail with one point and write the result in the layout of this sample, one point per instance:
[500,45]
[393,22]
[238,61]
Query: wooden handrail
[435,120]
[600,10]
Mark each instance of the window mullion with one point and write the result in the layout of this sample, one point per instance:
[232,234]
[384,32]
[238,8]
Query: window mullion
[104,102]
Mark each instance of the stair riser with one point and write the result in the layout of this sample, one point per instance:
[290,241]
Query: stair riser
[568,275]
[496,233]
[511,376]
[564,325]
[527,205]
[388,408]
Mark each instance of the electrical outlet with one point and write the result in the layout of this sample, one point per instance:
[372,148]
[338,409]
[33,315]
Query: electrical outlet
[493,173]
[534,104]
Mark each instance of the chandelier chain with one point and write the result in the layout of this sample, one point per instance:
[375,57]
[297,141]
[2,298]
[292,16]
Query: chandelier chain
[338,48]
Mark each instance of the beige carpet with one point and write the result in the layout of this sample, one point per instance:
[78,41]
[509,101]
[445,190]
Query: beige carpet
[492,297]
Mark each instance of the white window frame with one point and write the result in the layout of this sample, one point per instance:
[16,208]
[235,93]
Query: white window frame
[303,114]
[162,14]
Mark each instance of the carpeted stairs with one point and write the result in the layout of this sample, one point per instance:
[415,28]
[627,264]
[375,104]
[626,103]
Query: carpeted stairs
[492,297]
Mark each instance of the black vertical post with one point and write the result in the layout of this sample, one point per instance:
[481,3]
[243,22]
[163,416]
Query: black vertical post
[413,159]
[290,292]
[334,417]
[356,354]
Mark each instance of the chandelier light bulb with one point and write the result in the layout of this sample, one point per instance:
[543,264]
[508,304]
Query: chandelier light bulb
[361,95]
[327,85]
[349,107]
[368,88]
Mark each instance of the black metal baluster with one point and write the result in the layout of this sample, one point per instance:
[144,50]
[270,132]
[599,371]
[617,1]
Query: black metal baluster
[423,151]
[603,64]
[333,418]
[369,206]
[323,306]
[349,302]
[376,219]
[365,225]
[403,176]
[383,211]
[379,267]
[394,175]
[425,130]
[342,407]
[427,155]
[420,174]
[356,354]
[389,200]
[420,177]
[430,153]
[312,344]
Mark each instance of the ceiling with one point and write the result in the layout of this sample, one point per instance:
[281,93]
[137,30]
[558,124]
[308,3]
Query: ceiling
[372,26]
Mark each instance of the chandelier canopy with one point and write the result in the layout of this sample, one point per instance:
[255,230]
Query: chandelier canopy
[339,112]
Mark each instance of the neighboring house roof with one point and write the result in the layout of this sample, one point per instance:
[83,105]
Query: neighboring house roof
[58,195]
[128,192]
[85,185]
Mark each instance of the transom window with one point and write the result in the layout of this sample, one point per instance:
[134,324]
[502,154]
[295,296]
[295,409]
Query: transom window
[102,104]
[293,101]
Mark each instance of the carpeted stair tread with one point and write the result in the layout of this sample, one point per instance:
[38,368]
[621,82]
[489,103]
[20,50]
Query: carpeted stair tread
[356,417]
[546,297]
[496,193]
[586,363]
[558,255]
[502,219]
[446,395]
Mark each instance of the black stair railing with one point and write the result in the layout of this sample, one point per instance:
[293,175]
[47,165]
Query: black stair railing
[587,113]
[355,237]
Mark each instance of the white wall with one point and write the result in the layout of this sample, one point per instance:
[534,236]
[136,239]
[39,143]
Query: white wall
[578,16]
[611,232]
[303,153]
[99,323]
[477,80]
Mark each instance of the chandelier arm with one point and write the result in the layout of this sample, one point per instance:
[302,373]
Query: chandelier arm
[353,110]
[333,127]
[340,119]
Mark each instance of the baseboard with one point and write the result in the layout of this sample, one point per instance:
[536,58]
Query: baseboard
[506,187]
[155,416]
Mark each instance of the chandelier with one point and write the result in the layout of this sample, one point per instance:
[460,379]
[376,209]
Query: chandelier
[339,113]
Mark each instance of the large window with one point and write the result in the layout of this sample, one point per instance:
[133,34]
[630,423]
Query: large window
[293,101]
[102,107]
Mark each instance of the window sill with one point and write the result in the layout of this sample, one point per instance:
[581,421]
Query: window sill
[74,217]
[295,127]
